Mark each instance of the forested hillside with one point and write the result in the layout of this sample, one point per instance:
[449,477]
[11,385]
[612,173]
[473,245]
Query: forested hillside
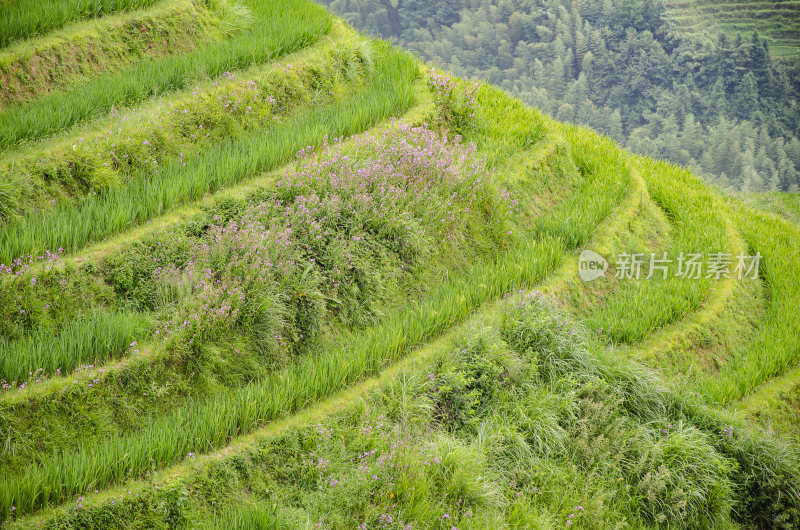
[725,109]
[778,21]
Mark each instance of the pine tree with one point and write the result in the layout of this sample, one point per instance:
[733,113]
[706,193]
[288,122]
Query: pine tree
[578,91]
[793,151]
[747,96]
[587,65]
[556,78]
[691,136]
[670,145]
[569,65]
[581,49]
[759,63]
[614,129]
[787,173]
[750,179]
[559,49]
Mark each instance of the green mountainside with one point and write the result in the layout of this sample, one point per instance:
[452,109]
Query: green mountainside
[778,21]
[289,276]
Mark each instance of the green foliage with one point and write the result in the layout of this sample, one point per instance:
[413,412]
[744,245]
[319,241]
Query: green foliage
[147,194]
[22,19]
[269,299]
[569,449]
[773,350]
[35,68]
[266,39]
[454,107]
[468,384]
[91,339]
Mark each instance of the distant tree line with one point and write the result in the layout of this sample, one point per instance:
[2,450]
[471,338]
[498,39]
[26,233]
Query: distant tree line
[726,108]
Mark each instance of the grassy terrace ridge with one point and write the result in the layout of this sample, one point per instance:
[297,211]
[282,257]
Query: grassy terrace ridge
[773,405]
[383,96]
[103,153]
[23,19]
[208,425]
[39,66]
[448,304]
[778,21]
[35,408]
[265,39]
[393,398]
[387,90]
[97,253]
[775,346]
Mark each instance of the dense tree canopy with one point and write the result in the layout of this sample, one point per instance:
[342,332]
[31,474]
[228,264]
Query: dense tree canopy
[725,109]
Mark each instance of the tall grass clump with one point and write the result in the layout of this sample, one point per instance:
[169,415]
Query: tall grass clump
[388,91]
[89,339]
[761,473]
[455,102]
[23,19]
[346,230]
[279,27]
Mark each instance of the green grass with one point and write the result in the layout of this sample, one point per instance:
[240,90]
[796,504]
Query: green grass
[530,413]
[91,339]
[112,151]
[207,425]
[601,190]
[32,69]
[774,405]
[514,419]
[639,307]
[775,346]
[388,92]
[279,27]
[202,426]
[23,19]
[786,205]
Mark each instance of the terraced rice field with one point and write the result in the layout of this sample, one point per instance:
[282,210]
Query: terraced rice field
[778,21]
[289,277]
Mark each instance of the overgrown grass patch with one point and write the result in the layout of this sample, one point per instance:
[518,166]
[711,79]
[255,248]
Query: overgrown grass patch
[22,19]
[518,423]
[137,142]
[278,27]
[32,69]
[388,91]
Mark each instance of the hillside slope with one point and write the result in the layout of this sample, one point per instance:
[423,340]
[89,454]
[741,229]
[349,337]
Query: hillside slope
[778,21]
[319,284]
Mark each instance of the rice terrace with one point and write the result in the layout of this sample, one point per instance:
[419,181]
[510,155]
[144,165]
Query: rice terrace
[259,269]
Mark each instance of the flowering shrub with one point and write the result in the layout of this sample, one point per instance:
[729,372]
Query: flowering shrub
[340,235]
[454,100]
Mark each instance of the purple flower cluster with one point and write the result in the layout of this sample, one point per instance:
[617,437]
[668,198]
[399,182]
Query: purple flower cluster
[455,100]
[21,266]
[406,190]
